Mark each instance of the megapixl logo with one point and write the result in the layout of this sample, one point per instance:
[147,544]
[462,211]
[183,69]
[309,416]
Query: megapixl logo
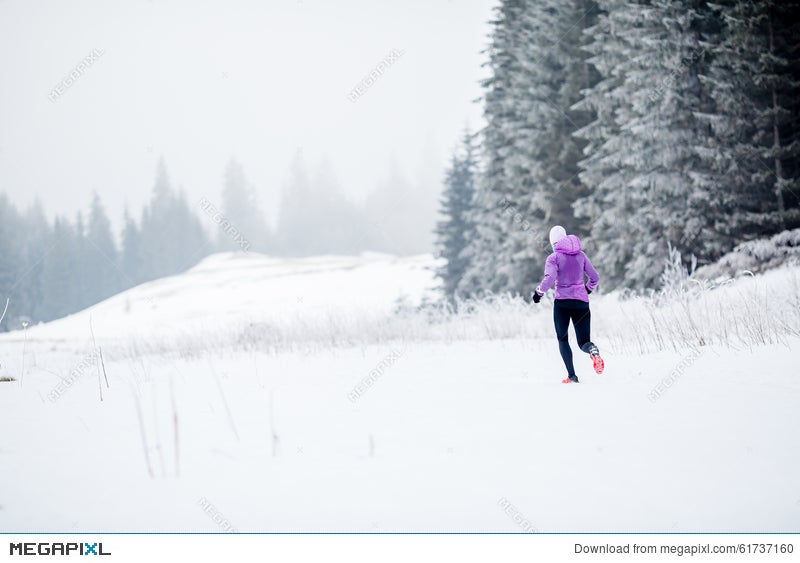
[47,548]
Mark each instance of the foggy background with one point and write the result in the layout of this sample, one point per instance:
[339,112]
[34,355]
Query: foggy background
[199,83]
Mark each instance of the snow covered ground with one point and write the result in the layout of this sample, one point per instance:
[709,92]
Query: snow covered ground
[447,434]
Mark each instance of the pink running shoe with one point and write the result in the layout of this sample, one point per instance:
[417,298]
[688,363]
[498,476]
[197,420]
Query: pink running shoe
[598,364]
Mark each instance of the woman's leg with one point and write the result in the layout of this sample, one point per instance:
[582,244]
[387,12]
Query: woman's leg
[582,319]
[561,316]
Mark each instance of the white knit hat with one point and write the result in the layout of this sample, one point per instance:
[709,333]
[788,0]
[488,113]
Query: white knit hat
[557,233]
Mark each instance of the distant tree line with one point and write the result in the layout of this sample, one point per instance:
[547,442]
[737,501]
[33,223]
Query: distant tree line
[315,216]
[632,124]
[49,269]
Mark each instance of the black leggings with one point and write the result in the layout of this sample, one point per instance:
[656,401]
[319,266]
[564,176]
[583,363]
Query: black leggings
[577,311]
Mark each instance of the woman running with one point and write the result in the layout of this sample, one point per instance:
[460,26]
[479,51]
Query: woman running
[568,267]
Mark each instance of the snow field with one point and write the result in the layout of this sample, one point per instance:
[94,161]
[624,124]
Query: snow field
[251,394]
[438,442]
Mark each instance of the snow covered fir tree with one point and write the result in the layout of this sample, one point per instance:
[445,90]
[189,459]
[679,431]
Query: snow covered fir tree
[640,126]
[456,207]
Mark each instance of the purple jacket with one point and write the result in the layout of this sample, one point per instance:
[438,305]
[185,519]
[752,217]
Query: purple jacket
[566,267]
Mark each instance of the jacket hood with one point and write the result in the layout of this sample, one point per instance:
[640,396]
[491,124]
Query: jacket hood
[570,244]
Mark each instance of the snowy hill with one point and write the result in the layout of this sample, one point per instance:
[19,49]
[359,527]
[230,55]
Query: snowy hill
[235,289]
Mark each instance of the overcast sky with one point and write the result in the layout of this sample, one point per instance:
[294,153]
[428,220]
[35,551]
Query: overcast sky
[199,82]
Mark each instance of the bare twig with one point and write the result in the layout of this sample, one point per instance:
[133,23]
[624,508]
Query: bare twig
[175,429]
[103,364]
[224,401]
[158,448]
[94,343]
[273,434]
[3,316]
[138,402]
[24,348]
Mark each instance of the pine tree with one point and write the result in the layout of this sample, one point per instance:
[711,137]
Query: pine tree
[425,195]
[171,238]
[650,185]
[390,208]
[755,82]
[530,183]
[34,251]
[79,253]
[240,207]
[488,259]
[130,255]
[154,244]
[102,275]
[456,212]
[296,228]
[61,272]
[572,65]
[609,201]
[341,224]
[189,242]
[11,260]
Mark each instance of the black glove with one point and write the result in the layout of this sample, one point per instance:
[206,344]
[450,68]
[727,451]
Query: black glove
[536,296]
[588,291]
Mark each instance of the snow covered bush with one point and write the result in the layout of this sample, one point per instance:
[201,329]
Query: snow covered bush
[676,279]
[755,256]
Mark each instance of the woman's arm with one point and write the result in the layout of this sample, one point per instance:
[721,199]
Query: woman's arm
[550,274]
[594,277]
